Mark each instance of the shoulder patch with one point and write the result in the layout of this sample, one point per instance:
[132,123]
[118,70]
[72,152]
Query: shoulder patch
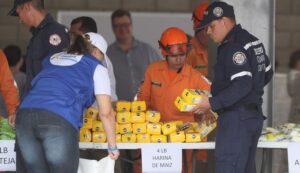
[239,58]
[54,39]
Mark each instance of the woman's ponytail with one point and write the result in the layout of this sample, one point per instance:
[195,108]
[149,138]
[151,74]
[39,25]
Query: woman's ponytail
[79,45]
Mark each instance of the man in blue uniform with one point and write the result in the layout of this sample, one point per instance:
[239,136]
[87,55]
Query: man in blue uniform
[241,72]
[48,37]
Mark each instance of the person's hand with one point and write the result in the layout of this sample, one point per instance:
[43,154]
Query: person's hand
[207,117]
[203,106]
[113,112]
[114,154]
[12,120]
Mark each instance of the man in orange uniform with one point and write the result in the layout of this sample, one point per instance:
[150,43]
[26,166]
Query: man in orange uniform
[198,56]
[8,89]
[165,80]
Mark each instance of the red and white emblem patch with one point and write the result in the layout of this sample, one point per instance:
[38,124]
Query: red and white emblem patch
[54,39]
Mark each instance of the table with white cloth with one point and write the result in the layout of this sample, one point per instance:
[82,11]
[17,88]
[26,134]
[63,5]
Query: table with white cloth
[7,154]
[193,146]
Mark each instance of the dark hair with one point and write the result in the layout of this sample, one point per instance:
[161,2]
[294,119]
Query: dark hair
[88,24]
[13,54]
[38,4]
[232,19]
[120,13]
[79,45]
[189,37]
[295,56]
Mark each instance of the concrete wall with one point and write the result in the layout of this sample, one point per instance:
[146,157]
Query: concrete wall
[14,33]
[287,31]
[287,19]
[287,22]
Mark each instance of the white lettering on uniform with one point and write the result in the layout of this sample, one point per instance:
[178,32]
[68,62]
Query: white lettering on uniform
[63,59]
[261,67]
[260,58]
[258,50]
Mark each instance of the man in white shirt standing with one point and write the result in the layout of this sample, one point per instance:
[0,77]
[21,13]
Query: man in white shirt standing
[82,25]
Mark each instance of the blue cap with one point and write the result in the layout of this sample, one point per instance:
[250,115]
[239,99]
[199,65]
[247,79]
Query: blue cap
[13,12]
[215,11]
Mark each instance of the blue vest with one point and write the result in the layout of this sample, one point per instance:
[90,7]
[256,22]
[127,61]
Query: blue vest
[64,88]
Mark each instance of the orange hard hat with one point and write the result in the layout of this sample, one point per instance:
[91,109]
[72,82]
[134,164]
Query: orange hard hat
[173,41]
[198,14]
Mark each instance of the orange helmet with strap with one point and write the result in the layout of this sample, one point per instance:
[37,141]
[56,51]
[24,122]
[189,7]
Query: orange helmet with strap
[198,14]
[173,41]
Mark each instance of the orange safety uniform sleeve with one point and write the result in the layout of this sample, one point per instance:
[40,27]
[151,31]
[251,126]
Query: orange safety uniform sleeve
[144,91]
[198,57]
[8,86]
[160,93]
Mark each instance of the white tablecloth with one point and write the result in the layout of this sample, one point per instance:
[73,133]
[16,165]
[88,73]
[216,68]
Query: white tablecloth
[201,145]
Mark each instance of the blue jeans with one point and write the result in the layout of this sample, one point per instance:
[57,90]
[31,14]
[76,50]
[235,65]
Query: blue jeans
[48,143]
[20,165]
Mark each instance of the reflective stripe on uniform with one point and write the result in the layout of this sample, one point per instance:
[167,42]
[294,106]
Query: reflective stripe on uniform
[254,43]
[15,84]
[207,81]
[240,74]
[268,68]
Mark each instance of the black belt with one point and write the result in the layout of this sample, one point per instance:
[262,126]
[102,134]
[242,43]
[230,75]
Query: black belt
[245,107]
